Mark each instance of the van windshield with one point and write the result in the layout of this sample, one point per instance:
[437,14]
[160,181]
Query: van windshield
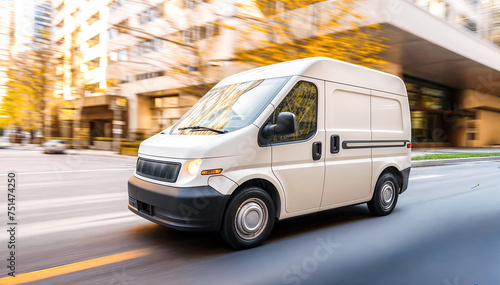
[229,108]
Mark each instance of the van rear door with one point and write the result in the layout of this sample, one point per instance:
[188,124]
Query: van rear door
[348,160]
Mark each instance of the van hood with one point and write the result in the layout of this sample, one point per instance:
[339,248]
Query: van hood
[196,146]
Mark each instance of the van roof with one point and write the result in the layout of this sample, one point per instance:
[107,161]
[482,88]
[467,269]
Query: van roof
[326,69]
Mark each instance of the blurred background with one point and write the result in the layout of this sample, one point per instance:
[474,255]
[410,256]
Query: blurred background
[108,74]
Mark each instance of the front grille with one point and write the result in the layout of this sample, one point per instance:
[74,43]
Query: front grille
[145,208]
[159,170]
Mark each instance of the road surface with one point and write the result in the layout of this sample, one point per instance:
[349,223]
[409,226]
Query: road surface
[74,228]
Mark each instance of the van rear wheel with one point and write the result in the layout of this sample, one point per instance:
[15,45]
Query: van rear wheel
[385,195]
[249,218]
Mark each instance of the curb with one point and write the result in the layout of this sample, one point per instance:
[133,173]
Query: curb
[450,161]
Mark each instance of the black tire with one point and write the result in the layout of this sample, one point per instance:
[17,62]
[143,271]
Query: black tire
[249,218]
[385,196]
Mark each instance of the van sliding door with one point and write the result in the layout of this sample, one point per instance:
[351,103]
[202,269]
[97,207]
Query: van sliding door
[348,156]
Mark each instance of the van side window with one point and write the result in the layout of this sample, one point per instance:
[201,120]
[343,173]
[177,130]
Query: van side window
[302,101]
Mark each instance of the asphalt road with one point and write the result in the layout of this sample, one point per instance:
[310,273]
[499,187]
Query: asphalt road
[74,228]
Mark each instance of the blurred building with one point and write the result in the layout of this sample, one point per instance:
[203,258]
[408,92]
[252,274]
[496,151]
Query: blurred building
[448,54]
[445,50]
[42,23]
[32,25]
[134,67]
[93,112]
[24,25]
[165,55]
[6,30]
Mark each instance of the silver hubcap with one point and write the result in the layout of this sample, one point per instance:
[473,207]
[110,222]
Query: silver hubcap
[251,218]
[387,195]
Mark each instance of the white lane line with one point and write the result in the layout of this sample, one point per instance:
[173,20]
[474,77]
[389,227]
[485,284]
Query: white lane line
[76,223]
[73,171]
[424,177]
[67,201]
[52,183]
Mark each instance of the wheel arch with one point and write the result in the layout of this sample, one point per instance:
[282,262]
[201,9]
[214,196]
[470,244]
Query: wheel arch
[394,171]
[266,186]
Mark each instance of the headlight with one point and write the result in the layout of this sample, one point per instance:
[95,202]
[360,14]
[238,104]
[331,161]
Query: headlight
[193,166]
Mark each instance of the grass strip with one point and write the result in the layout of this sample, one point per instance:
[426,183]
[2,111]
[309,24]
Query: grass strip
[453,155]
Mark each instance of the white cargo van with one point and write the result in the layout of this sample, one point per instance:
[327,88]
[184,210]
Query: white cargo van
[277,142]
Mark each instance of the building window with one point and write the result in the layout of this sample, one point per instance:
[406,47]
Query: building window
[60,26]
[189,4]
[93,41]
[194,34]
[303,102]
[75,34]
[113,33]
[123,55]
[428,105]
[92,64]
[202,32]
[90,88]
[215,29]
[187,36]
[122,27]
[41,27]
[43,20]
[93,19]
[424,95]
[44,8]
[115,4]
[149,15]
[468,23]
[149,46]
[149,75]
[191,68]
[42,14]
[60,6]
[42,37]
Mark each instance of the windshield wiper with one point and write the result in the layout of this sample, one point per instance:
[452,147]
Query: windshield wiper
[200,128]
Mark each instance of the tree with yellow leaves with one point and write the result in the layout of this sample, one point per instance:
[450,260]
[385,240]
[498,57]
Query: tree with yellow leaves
[282,30]
[29,98]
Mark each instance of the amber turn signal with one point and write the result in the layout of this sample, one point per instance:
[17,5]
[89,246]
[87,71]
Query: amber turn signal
[211,171]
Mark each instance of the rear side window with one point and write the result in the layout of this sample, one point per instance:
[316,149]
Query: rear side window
[302,101]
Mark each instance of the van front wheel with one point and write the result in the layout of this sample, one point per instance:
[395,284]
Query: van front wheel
[249,218]
[385,195]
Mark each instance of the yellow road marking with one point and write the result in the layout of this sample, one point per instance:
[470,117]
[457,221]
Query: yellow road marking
[73,267]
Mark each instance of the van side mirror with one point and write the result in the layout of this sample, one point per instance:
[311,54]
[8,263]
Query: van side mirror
[285,125]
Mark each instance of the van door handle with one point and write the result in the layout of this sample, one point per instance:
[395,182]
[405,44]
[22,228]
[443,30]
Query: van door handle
[316,150]
[335,144]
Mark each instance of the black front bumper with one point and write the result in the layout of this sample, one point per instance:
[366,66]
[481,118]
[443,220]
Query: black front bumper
[188,209]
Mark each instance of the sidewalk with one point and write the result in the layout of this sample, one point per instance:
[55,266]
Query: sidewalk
[438,162]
